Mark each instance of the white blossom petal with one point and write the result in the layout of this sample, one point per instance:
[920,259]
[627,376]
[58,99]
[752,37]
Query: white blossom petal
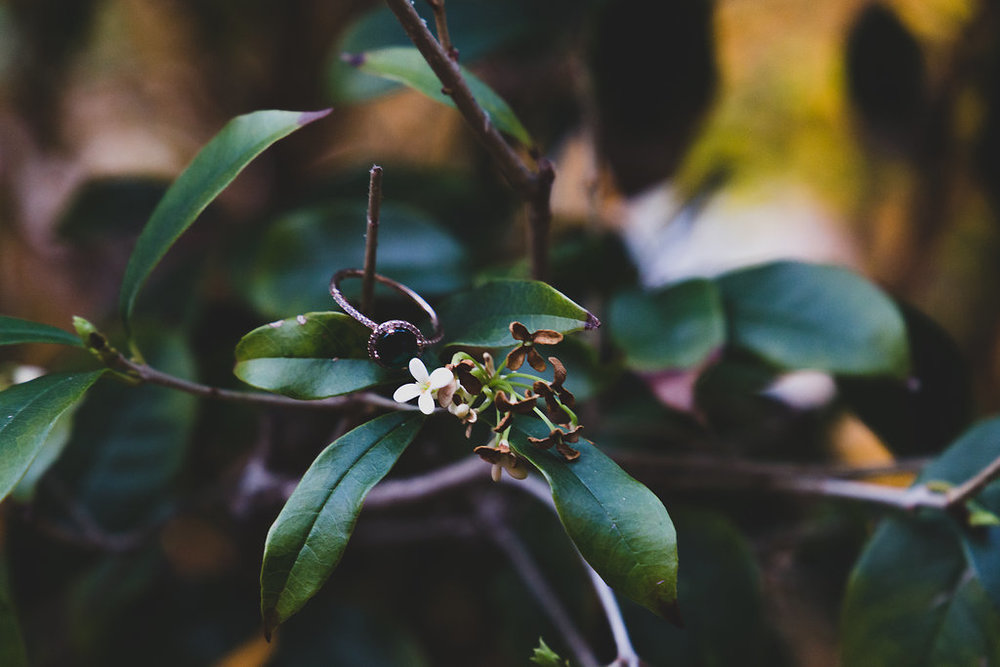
[426,402]
[407,392]
[441,377]
[418,370]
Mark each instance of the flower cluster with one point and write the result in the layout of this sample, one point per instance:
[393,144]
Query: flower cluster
[467,387]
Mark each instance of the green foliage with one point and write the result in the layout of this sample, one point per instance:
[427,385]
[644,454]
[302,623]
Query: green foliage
[797,315]
[294,257]
[14,331]
[546,657]
[214,168]
[309,356]
[481,317]
[674,327]
[130,443]
[619,526]
[407,66]
[309,536]
[28,413]
[921,591]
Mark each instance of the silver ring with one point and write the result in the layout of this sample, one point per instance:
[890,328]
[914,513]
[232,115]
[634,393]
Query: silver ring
[394,342]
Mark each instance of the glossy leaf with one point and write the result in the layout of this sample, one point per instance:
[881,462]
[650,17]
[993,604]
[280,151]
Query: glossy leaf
[308,538]
[216,165]
[407,66]
[921,591]
[797,315]
[14,330]
[12,651]
[674,327]
[309,356]
[48,453]
[28,412]
[481,317]
[619,525]
[298,254]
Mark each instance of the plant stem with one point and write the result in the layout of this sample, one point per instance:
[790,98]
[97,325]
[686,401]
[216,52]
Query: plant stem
[150,375]
[441,23]
[535,188]
[371,238]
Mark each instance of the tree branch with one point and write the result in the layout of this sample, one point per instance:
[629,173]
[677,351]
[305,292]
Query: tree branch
[150,375]
[441,23]
[533,187]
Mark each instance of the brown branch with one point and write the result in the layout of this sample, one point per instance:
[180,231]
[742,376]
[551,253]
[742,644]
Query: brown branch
[150,375]
[441,22]
[371,238]
[533,187]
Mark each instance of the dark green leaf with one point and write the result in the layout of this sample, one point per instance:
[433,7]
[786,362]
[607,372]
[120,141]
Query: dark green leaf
[826,318]
[308,538]
[129,444]
[921,591]
[675,327]
[309,356]
[14,331]
[619,525]
[913,600]
[214,168]
[972,452]
[719,590]
[28,412]
[299,253]
[12,652]
[481,317]
[407,66]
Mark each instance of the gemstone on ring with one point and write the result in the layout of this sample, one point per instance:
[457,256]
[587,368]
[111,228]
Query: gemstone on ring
[394,343]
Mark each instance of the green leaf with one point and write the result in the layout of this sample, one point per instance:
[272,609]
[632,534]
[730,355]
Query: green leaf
[674,327]
[48,453]
[14,331]
[925,590]
[407,66]
[309,356]
[481,317]
[130,443]
[298,254]
[913,600]
[797,315]
[545,656]
[619,525]
[308,538]
[28,412]
[216,165]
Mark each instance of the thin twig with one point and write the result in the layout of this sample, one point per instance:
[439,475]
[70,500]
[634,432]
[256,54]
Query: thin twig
[371,237]
[533,187]
[488,509]
[150,375]
[959,494]
[392,493]
[441,22]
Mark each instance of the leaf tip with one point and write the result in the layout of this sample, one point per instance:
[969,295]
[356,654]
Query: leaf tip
[307,117]
[592,322]
[271,621]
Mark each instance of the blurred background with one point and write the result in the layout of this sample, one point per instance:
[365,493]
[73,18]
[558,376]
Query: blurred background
[689,138]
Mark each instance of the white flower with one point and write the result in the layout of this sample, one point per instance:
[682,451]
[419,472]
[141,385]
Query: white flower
[425,387]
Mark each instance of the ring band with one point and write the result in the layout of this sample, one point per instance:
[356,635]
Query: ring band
[395,342]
